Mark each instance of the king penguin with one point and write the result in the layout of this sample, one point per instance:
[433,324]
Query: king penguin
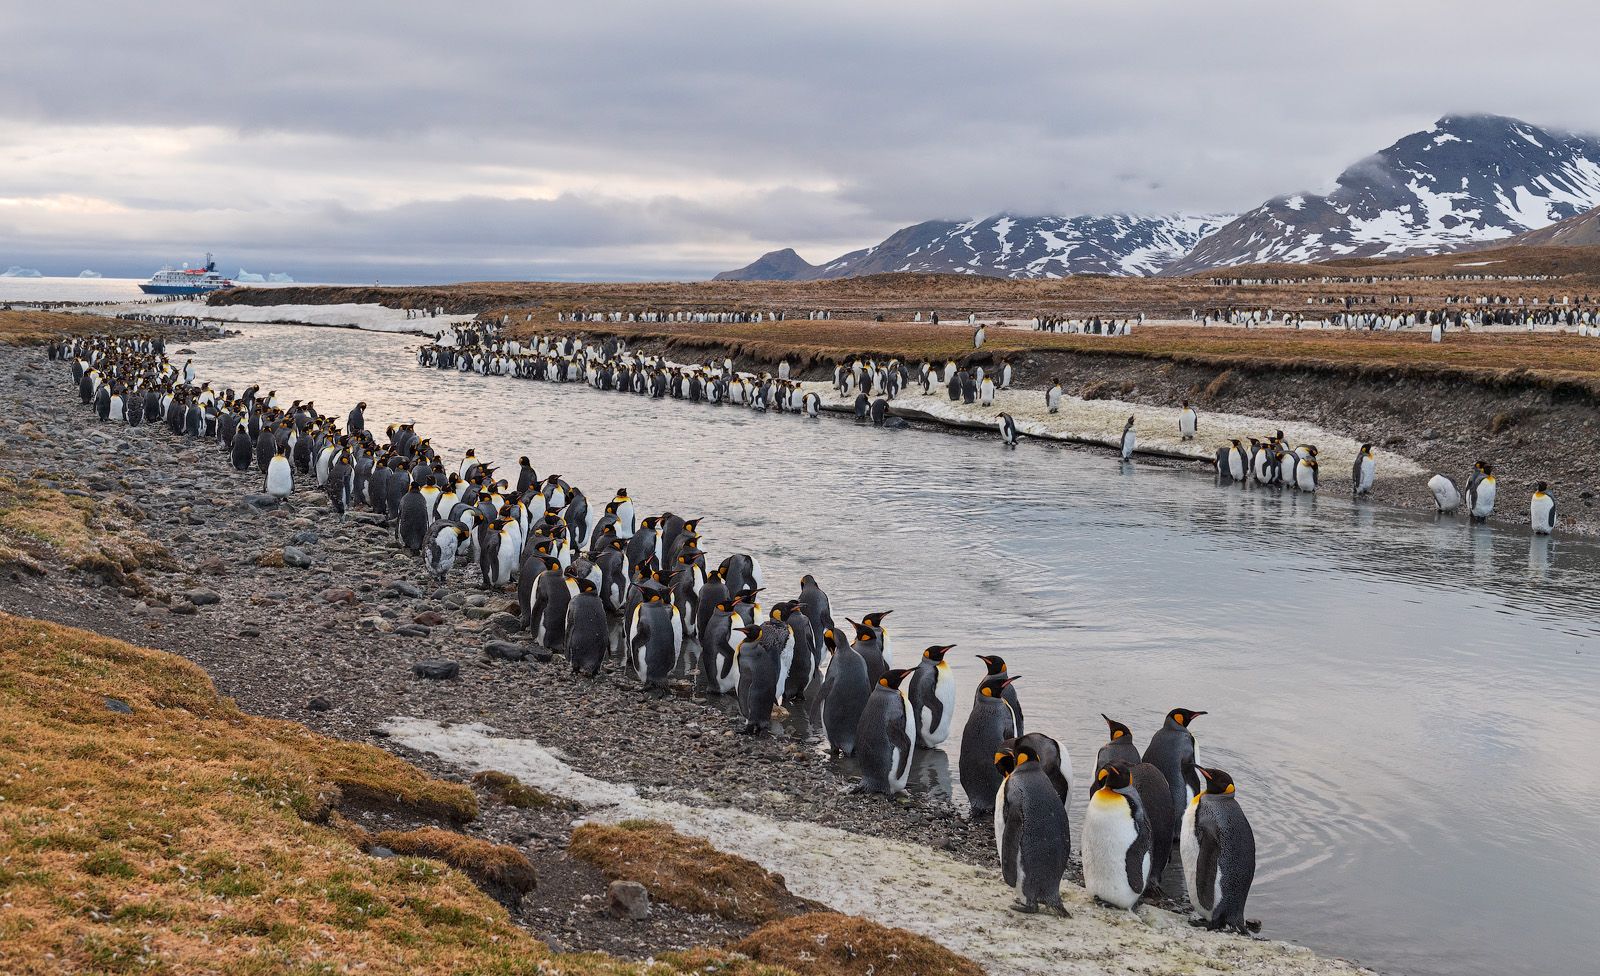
[845,690]
[1542,510]
[1219,855]
[1031,839]
[996,666]
[1172,751]
[280,477]
[886,737]
[1116,839]
[1129,440]
[989,724]
[932,694]
[1361,473]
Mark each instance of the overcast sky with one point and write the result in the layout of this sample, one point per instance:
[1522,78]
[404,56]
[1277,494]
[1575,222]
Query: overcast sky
[353,140]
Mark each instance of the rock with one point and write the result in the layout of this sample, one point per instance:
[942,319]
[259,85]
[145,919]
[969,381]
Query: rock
[477,600]
[305,537]
[411,630]
[339,595]
[203,598]
[506,623]
[366,518]
[505,651]
[628,899]
[402,588]
[429,618]
[261,501]
[319,704]
[249,633]
[478,613]
[212,566]
[119,706]
[183,608]
[296,558]
[436,670]
[378,850]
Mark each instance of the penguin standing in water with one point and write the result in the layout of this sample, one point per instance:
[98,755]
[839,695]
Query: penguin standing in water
[1305,474]
[932,693]
[1445,495]
[1171,750]
[280,477]
[1362,472]
[818,608]
[1219,855]
[1480,497]
[996,666]
[1542,510]
[1030,823]
[869,645]
[880,411]
[886,737]
[844,694]
[1116,839]
[990,723]
[1188,422]
[1129,441]
[1008,430]
[1052,396]
[719,638]
[587,634]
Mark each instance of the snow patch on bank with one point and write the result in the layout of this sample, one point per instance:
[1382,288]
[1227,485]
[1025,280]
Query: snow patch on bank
[961,906]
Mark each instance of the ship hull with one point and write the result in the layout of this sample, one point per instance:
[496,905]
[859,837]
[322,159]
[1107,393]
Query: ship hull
[149,289]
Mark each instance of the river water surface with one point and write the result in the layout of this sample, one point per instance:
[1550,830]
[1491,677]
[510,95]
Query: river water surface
[1409,706]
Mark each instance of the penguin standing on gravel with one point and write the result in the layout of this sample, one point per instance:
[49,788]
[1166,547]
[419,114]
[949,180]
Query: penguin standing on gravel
[1172,751]
[758,660]
[587,635]
[845,690]
[280,477]
[1188,422]
[1116,839]
[1542,510]
[932,693]
[412,525]
[1154,792]
[242,450]
[1362,472]
[356,423]
[990,723]
[657,640]
[1219,855]
[1129,440]
[886,737]
[1030,823]
[1052,396]
[543,599]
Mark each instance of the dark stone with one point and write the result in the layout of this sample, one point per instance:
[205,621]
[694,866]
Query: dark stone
[628,899]
[119,706]
[261,501]
[411,630]
[339,595]
[429,618]
[203,598]
[402,588]
[378,850]
[304,537]
[319,704]
[183,608]
[436,670]
[505,651]
[296,558]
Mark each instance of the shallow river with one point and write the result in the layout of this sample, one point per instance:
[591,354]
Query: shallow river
[1410,707]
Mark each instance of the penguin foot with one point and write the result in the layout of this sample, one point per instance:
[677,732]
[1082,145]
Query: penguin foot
[1025,907]
[1153,892]
[1059,910]
[1199,923]
[1251,926]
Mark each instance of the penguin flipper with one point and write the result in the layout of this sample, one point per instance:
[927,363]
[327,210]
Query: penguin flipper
[1011,844]
[898,740]
[1205,872]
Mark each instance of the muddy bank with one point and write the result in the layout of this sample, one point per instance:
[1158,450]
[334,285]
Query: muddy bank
[1532,429]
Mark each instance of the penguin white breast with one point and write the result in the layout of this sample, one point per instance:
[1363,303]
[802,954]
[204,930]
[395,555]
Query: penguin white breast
[1108,831]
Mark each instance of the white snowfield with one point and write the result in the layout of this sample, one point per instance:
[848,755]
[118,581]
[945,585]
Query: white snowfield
[369,317]
[963,907]
[1100,422]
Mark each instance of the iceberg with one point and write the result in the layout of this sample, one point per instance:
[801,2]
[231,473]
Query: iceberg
[86,273]
[246,277]
[17,271]
[280,278]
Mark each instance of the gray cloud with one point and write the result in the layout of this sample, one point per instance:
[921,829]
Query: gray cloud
[640,139]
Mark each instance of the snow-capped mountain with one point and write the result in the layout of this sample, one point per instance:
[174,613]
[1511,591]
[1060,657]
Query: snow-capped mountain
[1467,181]
[1007,246]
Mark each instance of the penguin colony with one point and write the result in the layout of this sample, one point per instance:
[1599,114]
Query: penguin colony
[1270,460]
[575,571]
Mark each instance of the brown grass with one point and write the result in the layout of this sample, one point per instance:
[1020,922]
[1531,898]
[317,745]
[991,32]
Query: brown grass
[19,327]
[41,528]
[183,838]
[492,865]
[511,791]
[827,944]
[686,872]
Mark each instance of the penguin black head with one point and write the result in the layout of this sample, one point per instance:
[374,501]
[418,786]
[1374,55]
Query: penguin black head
[1005,758]
[863,632]
[831,639]
[1112,776]
[992,685]
[892,679]
[937,652]
[807,579]
[1542,487]
[750,633]
[550,563]
[586,585]
[1117,729]
[1217,782]
[523,461]
[1366,449]
[994,662]
[876,619]
[1182,716]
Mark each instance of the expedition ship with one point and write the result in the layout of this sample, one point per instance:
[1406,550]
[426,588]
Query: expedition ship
[187,281]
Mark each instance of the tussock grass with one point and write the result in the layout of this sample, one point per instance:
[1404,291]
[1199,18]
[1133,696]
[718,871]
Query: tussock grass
[686,872]
[511,791]
[493,865]
[22,327]
[828,944]
[185,837]
[42,528]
